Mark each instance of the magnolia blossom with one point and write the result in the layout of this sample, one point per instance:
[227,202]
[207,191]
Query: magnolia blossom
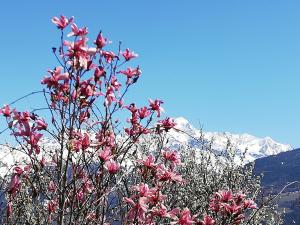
[231,205]
[112,166]
[207,220]
[108,55]
[18,170]
[250,204]
[78,31]
[163,174]
[156,106]
[131,73]
[110,96]
[106,154]
[114,83]
[128,55]
[143,112]
[138,209]
[172,156]
[101,41]
[56,76]
[161,211]
[41,124]
[185,218]
[167,123]
[79,54]
[5,111]
[14,184]
[148,162]
[62,22]
[99,72]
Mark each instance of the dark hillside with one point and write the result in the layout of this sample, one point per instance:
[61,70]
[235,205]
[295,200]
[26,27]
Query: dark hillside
[278,171]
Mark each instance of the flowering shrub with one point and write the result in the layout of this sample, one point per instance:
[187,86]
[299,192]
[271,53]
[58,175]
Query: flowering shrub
[96,171]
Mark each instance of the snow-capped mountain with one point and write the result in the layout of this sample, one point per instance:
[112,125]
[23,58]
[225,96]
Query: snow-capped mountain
[185,134]
[256,147]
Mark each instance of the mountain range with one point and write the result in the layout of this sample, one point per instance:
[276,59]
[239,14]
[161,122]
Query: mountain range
[185,134]
[256,147]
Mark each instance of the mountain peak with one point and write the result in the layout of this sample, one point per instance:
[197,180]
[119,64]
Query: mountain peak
[181,121]
[256,147]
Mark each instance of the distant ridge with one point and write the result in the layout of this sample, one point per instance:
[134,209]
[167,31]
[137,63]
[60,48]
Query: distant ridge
[257,147]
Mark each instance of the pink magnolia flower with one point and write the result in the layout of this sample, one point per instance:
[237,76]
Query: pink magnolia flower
[18,170]
[239,198]
[106,139]
[14,184]
[128,55]
[108,55]
[207,220]
[167,123]
[132,108]
[56,76]
[41,124]
[157,197]
[131,73]
[5,111]
[105,155]
[78,31]
[115,84]
[238,219]
[144,190]
[161,211]
[164,174]
[110,96]
[156,106]
[86,89]
[101,41]
[172,156]
[148,162]
[250,204]
[185,218]
[138,209]
[62,22]
[99,72]
[79,54]
[76,145]
[22,117]
[23,129]
[143,112]
[33,141]
[224,195]
[112,166]
[232,208]
[136,130]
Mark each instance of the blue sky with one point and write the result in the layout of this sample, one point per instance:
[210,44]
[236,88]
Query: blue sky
[227,65]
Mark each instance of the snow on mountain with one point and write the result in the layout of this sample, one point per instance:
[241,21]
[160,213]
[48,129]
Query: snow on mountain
[11,157]
[256,147]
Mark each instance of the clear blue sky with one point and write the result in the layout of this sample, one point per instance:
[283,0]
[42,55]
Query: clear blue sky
[228,65]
